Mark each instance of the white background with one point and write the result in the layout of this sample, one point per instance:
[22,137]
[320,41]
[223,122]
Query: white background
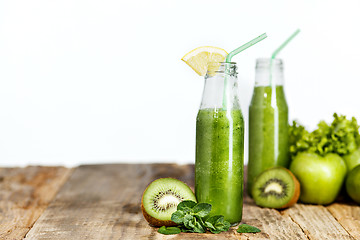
[102,81]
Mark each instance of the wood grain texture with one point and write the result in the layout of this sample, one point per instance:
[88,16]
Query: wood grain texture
[348,215]
[103,202]
[317,222]
[24,195]
[272,223]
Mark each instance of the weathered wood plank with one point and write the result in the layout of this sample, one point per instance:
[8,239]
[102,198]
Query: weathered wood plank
[317,222]
[103,202]
[273,224]
[24,195]
[348,216]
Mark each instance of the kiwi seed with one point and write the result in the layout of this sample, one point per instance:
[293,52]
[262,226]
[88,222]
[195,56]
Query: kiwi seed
[272,187]
[168,205]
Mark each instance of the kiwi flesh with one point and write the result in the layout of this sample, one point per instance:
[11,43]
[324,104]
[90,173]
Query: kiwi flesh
[160,200]
[276,188]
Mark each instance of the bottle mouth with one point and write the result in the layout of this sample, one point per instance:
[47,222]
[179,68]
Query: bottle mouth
[265,63]
[221,67]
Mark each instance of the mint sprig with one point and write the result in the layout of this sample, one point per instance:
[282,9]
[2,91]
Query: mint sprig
[194,217]
[244,228]
[202,209]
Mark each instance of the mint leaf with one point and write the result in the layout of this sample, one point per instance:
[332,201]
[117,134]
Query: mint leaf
[199,228]
[178,217]
[213,219]
[217,224]
[183,229]
[192,223]
[186,204]
[189,221]
[201,222]
[244,228]
[202,209]
[209,226]
[169,230]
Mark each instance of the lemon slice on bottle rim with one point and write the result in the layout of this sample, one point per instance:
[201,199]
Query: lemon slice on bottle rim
[199,58]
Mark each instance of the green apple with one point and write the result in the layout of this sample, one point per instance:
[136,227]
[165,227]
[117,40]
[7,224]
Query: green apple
[353,184]
[320,178]
[352,159]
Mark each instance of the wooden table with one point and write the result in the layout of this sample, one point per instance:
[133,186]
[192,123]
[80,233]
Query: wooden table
[103,202]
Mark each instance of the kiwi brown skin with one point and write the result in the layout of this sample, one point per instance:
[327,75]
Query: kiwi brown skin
[154,221]
[296,196]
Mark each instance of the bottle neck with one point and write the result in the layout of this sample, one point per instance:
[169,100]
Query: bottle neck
[221,87]
[269,72]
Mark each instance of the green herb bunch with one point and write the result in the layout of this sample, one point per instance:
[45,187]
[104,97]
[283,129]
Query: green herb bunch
[340,137]
[194,217]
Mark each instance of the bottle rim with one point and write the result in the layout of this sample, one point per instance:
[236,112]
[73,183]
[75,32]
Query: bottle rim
[266,62]
[220,67]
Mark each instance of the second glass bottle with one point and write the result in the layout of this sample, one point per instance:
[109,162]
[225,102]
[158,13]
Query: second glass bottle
[268,120]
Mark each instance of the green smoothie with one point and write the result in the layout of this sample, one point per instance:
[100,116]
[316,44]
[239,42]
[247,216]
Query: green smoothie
[219,161]
[268,131]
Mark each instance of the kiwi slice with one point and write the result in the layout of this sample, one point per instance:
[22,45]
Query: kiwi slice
[276,188]
[160,200]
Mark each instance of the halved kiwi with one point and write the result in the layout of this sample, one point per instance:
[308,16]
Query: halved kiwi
[160,200]
[276,188]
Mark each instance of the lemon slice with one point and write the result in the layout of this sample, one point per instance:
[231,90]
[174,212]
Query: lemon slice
[199,58]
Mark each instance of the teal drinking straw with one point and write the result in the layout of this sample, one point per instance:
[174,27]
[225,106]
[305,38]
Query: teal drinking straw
[273,56]
[273,88]
[236,51]
[284,44]
[245,46]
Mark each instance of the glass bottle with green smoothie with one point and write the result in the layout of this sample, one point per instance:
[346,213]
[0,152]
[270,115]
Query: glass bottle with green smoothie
[268,120]
[220,144]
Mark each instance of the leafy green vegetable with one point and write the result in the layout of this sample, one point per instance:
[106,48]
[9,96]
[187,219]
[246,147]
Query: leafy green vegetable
[169,230]
[244,228]
[299,139]
[345,134]
[194,217]
[340,137]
